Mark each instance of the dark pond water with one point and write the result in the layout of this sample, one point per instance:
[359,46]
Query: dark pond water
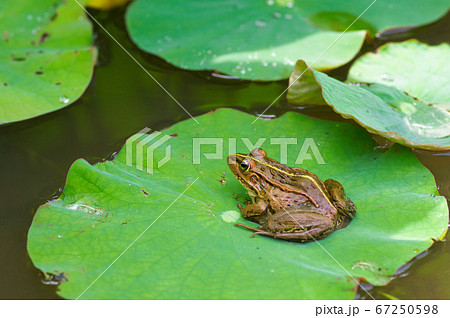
[35,155]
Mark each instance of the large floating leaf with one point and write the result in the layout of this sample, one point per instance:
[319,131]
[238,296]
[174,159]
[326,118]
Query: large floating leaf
[261,40]
[194,251]
[46,58]
[417,68]
[380,109]
[382,15]
[245,38]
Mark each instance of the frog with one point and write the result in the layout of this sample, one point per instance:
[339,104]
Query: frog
[289,203]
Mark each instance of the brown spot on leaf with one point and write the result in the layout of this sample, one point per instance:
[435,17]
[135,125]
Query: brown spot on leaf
[54,16]
[174,135]
[17,59]
[5,84]
[44,37]
[39,72]
[144,192]
[223,179]
[58,83]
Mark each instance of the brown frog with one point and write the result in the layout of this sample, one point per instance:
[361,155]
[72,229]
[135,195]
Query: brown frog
[289,203]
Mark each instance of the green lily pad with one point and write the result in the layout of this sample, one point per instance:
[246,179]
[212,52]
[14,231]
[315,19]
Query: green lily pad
[244,38]
[261,40]
[190,248]
[382,15]
[380,109]
[417,68]
[340,21]
[46,57]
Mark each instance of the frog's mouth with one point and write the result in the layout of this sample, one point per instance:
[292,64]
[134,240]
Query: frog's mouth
[234,162]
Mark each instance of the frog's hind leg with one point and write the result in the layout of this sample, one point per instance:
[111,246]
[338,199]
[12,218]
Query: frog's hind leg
[264,233]
[257,231]
[307,236]
[299,226]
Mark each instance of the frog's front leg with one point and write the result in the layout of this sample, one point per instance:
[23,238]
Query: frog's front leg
[253,210]
[340,200]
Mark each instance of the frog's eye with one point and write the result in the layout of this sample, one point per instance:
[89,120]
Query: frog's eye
[245,165]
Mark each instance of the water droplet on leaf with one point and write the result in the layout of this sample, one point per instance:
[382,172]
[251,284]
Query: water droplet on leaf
[276,15]
[260,24]
[386,78]
[64,99]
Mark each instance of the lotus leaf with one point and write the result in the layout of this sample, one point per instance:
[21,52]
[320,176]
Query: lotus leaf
[180,218]
[46,57]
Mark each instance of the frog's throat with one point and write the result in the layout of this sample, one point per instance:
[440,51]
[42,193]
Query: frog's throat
[291,175]
[252,193]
